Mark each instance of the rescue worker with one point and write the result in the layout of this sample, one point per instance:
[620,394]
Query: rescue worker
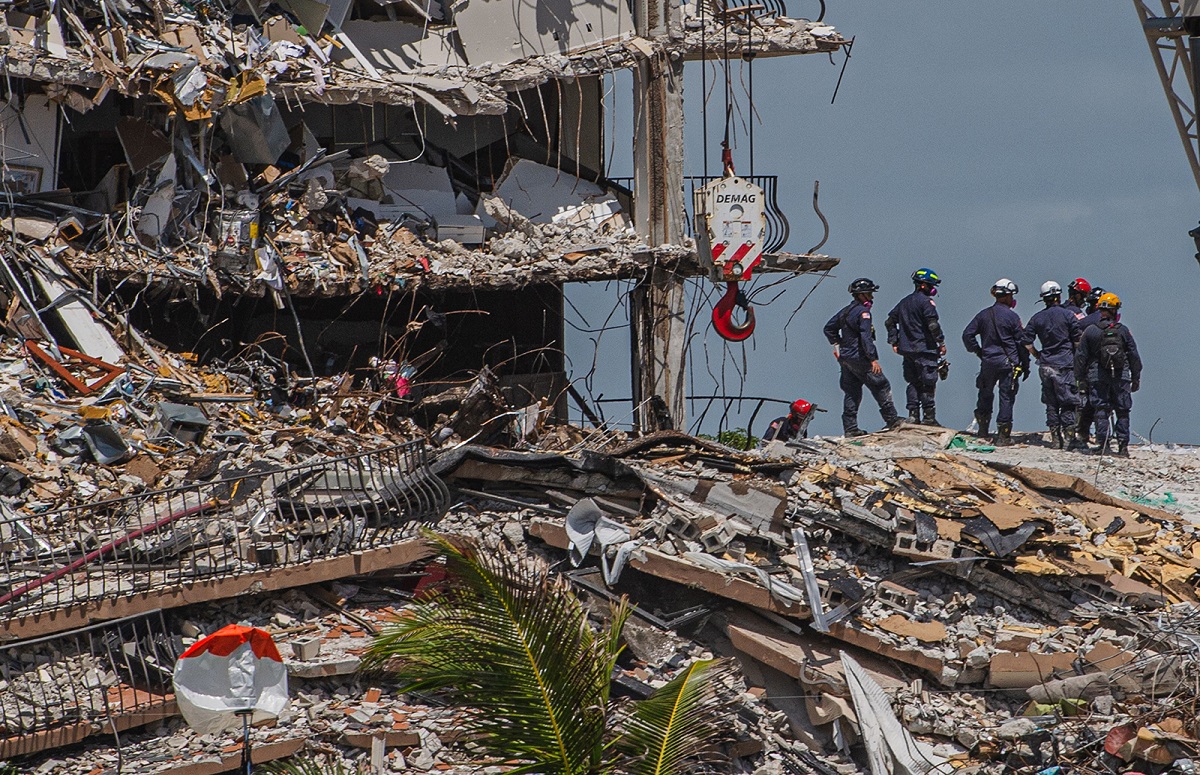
[1077,293]
[914,332]
[1086,412]
[998,338]
[794,425]
[1057,328]
[1107,358]
[1093,312]
[852,335]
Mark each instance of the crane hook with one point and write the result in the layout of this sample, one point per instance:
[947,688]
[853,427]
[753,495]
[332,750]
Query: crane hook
[722,316]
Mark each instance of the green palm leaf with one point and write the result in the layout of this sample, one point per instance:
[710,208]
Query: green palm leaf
[512,644]
[676,724]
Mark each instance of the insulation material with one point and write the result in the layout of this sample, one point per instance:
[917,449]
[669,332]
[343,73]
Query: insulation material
[505,32]
[548,195]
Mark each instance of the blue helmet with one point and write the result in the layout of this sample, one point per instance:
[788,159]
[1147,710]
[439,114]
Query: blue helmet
[927,276]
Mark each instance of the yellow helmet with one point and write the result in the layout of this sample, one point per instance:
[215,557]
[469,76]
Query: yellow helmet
[1109,301]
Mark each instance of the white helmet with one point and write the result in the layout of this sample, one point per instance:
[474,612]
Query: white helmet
[1004,287]
[1051,289]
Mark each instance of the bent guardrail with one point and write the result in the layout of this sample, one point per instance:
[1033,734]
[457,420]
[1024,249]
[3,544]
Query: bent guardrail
[63,688]
[260,519]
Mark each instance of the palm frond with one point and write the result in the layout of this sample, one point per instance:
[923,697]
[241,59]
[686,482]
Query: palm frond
[511,642]
[677,724]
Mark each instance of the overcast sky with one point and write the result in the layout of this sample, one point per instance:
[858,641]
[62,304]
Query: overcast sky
[1022,139]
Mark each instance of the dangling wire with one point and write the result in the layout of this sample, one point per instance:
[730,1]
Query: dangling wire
[748,55]
[704,86]
[727,149]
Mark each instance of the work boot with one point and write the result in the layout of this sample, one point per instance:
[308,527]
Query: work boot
[1101,446]
[1056,436]
[854,433]
[1122,449]
[1003,434]
[893,424]
[1073,442]
[931,418]
[985,421]
[914,417]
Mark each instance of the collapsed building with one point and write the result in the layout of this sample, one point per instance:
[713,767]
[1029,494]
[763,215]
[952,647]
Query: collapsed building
[899,599]
[283,282]
[407,181]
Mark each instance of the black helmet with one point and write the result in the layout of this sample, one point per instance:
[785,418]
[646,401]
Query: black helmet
[863,285]
[1094,296]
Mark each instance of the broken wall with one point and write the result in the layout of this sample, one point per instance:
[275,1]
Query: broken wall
[28,144]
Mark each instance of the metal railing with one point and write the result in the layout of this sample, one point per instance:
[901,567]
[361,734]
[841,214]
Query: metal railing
[778,228]
[85,681]
[260,519]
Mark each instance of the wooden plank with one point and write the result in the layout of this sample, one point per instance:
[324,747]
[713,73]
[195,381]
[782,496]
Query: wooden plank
[253,582]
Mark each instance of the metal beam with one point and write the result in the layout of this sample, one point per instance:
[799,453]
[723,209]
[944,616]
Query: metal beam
[1169,48]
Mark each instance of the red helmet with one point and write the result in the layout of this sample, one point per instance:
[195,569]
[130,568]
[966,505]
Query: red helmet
[1080,285]
[801,407]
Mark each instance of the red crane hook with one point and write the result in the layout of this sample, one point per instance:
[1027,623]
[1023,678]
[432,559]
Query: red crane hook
[722,315]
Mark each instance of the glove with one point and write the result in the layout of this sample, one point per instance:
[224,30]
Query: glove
[1137,383]
[1025,374]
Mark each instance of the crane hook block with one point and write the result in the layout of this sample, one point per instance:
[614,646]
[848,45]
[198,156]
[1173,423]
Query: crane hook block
[722,316]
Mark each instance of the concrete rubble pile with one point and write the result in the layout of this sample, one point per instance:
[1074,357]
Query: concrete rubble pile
[883,599]
[1014,617]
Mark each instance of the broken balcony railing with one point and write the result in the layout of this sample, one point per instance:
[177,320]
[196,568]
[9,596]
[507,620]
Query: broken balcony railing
[778,228]
[107,677]
[259,519]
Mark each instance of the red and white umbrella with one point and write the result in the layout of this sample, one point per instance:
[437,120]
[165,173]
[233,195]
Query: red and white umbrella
[234,673]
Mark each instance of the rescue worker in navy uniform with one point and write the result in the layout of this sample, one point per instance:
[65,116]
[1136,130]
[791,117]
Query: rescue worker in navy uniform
[1087,412]
[913,331]
[1077,293]
[1108,359]
[794,425]
[1093,315]
[998,338]
[1057,328]
[852,335]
